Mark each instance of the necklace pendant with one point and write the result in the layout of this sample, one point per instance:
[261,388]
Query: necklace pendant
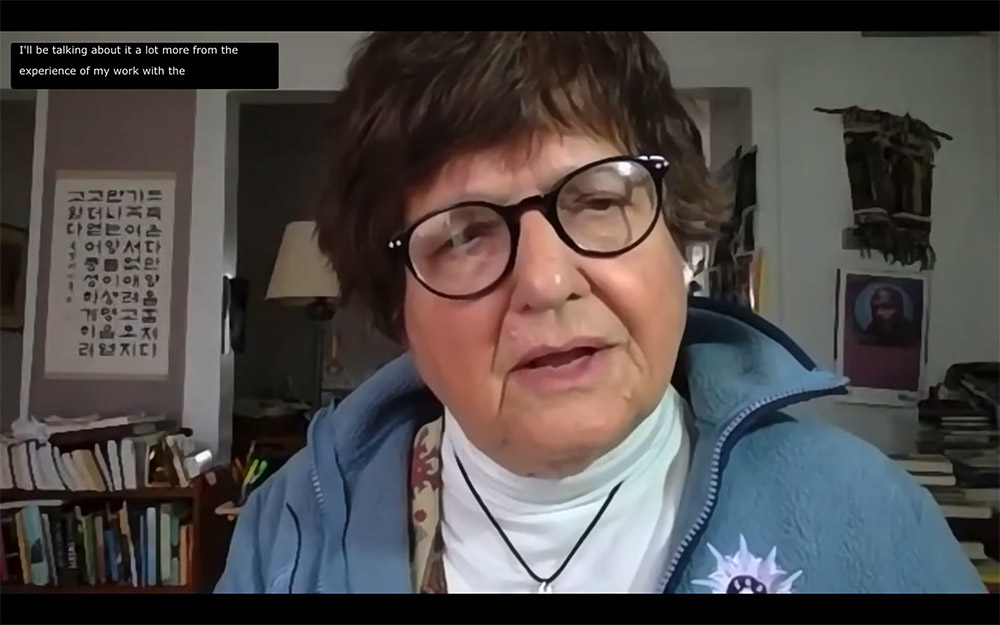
[545,589]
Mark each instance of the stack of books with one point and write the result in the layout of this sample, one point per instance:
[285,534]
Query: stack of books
[971,511]
[961,413]
[927,469]
[957,459]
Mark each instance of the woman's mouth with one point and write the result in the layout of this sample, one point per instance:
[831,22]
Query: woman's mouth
[560,359]
[577,364]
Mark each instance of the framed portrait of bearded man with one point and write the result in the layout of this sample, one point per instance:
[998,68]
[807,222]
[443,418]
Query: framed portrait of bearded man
[881,330]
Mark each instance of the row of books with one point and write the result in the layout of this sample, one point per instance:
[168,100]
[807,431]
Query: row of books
[118,453]
[46,543]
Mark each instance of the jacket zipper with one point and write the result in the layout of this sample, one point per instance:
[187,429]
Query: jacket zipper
[314,475]
[716,468]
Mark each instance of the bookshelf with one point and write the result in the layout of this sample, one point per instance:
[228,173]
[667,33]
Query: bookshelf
[209,535]
[110,507]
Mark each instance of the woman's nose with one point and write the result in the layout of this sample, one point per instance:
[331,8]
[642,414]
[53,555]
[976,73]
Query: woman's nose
[546,271]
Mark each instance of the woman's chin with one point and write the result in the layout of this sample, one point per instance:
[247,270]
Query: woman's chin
[558,443]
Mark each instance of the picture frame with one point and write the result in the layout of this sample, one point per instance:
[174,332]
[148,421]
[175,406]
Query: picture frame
[13,273]
[881,335]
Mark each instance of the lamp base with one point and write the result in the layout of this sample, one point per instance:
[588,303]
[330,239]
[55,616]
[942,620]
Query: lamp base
[320,309]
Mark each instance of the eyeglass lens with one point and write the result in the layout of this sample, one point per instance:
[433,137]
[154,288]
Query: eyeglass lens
[602,209]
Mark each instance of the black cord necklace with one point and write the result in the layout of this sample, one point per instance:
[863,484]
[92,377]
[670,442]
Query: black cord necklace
[545,583]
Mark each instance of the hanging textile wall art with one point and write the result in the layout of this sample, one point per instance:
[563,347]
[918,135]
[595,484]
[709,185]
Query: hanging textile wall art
[890,165]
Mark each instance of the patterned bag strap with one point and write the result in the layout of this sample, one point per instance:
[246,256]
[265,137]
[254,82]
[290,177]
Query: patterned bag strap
[427,565]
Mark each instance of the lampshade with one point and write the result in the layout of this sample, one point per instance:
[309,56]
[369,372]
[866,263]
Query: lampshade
[302,274]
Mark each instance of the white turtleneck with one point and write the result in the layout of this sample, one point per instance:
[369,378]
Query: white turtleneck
[543,519]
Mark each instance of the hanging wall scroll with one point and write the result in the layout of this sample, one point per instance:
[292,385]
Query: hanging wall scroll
[110,274]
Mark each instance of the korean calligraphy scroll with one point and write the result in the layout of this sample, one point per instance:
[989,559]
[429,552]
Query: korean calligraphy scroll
[110,275]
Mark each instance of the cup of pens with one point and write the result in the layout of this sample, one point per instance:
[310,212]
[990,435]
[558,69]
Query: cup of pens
[252,472]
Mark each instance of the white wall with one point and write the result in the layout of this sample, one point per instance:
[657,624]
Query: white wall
[802,184]
[947,83]
[730,119]
[700,111]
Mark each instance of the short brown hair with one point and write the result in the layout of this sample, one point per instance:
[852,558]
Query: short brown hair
[414,101]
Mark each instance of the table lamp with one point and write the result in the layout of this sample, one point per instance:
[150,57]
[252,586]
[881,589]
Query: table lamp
[302,277]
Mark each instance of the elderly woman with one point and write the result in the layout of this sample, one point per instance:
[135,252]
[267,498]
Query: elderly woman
[512,207]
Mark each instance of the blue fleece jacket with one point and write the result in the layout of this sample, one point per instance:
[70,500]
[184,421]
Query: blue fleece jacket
[771,505]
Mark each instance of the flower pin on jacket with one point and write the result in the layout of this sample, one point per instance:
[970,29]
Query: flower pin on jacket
[745,574]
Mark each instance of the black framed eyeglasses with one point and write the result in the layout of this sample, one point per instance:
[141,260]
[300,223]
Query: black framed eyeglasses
[600,210]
